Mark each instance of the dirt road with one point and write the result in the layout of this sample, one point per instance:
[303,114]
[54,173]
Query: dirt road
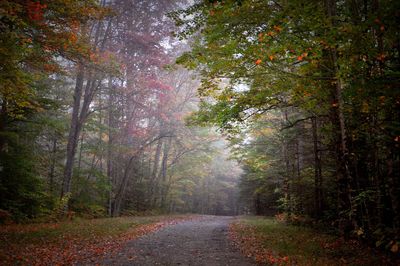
[202,241]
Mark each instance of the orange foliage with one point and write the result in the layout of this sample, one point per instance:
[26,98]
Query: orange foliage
[302,56]
[270,33]
[277,28]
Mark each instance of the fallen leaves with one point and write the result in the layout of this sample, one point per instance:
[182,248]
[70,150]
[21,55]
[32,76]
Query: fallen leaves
[249,242]
[271,242]
[69,249]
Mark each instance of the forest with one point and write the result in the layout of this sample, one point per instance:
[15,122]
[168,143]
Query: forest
[222,107]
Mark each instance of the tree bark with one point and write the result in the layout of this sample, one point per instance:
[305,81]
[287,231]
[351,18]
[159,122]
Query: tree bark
[154,176]
[110,153]
[53,164]
[347,221]
[163,173]
[3,120]
[317,169]
[73,132]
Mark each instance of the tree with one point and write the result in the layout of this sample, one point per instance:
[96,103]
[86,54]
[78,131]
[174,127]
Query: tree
[322,66]
[37,39]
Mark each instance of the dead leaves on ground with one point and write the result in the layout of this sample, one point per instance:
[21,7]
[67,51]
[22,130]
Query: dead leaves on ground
[327,250]
[70,249]
[250,244]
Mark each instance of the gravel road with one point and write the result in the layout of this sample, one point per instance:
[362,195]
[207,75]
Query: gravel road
[202,241]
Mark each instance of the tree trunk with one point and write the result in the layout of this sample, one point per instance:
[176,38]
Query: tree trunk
[154,175]
[317,169]
[121,189]
[73,132]
[163,173]
[110,153]
[3,120]
[53,164]
[347,221]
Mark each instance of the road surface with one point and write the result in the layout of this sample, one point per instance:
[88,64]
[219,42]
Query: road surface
[202,241]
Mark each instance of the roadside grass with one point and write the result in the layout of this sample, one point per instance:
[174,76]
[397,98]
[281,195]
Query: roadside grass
[71,241]
[77,228]
[273,242]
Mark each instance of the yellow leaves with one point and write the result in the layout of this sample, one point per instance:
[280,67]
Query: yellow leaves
[104,137]
[365,107]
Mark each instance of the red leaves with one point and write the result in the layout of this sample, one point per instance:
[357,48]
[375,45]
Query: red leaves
[35,10]
[158,85]
[258,61]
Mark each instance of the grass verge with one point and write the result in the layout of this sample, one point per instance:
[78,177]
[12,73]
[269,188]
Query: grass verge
[81,240]
[271,242]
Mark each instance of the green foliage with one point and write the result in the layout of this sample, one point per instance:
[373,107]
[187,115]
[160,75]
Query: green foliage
[90,194]
[38,39]
[271,67]
[21,188]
